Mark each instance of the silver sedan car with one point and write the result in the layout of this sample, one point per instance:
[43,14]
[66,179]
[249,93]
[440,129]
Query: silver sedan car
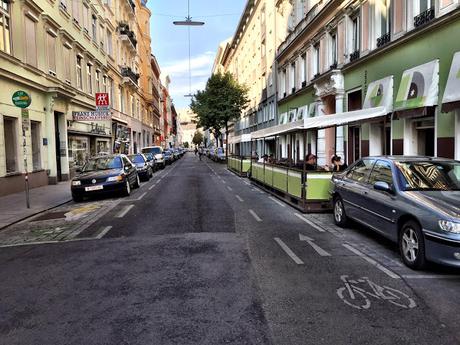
[414,201]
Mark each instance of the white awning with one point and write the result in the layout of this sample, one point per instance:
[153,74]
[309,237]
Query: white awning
[244,138]
[380,94]
[418,88]
[341,119]
[275,130]
[451,97]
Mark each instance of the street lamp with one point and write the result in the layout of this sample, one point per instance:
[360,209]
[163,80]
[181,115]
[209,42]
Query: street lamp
[189,22]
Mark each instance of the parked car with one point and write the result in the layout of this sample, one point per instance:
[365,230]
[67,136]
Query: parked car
[220,154]
[176,154]
[157,152]
[169,158]
[143,167]
[105,174]
[151,160]
[414,201]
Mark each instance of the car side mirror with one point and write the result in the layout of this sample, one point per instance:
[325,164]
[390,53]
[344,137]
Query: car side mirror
[383,186]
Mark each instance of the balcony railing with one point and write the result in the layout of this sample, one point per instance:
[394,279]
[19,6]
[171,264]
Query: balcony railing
[354,56]
[132,5]
[127,72]
[424,17]
[384,39]
[124,31]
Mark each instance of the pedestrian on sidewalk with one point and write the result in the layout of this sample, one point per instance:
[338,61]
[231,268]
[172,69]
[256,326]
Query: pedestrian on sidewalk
[200,152]
[196,150]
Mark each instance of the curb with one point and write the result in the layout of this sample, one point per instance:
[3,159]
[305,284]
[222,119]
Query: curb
[34,214]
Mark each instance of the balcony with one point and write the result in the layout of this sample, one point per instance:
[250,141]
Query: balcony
[384,39]
[131,6]
[424,17]
[127,36]
[130,78]
[354,56]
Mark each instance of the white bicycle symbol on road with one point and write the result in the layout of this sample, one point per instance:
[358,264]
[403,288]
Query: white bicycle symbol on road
[357,296]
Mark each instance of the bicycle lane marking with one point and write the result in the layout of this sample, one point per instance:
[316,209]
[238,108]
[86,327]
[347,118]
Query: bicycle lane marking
[374,263]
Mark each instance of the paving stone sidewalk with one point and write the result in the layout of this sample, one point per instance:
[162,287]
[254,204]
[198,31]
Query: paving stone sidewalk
[13,207]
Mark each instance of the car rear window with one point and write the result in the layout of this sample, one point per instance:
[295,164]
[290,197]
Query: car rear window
[137,159]
[154,150]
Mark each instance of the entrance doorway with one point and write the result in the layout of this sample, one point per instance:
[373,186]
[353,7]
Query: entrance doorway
[58,147]
[425,141]
[354,102]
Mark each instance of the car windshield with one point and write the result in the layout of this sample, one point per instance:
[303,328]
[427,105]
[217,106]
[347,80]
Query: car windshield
[137,159]
[149,156]
[429,175]
[103,163]
[153,150]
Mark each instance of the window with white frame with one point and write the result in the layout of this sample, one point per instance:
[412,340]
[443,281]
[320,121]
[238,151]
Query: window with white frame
[383,17]
[36,144]
[89,78]
[109,43]
[303,69]
[283,83]
[121,100]
[299,4]
[86,15]
[51,51]
[333,48]
[31,41]
[76,5]
[316,59]
[11,142]
[79,72]
[292,78]
[97,79]
[94,27]
[355,34]
[67,52]
[102,38]
[422,5]
[5,30]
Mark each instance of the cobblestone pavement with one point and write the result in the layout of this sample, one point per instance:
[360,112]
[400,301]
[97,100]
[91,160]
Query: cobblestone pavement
[61,224]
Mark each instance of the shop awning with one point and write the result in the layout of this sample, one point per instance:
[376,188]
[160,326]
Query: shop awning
[380,94]
[275,130]
[348,118]
[451,97]
[243,138]
[418,90]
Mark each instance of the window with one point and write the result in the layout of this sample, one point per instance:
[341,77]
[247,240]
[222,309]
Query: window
[121,101]
[36,143]
[101,37]
[422,5]
[94,27]
[292,78]
[89,78]
[63,5]
[316,60]
[303,69]
[381,173]
[31,41]
[79,73]
[333,49]
[9,127]
[110,92]
[85,19]
[98,80]
[361,170]
[104,83]
[51,50]
[76,11]
[355,34]
[5,31]
[67,53]
[109,43]
[382,26]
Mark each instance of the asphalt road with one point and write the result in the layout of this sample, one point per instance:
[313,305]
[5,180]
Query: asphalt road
[200,256]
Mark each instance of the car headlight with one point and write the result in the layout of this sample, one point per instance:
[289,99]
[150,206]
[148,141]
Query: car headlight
[76,183]
[115,178]
[449,226]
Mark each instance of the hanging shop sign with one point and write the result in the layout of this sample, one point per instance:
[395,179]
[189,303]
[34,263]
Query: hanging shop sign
[91,115]
[380,94]
[21,99]
[451,97]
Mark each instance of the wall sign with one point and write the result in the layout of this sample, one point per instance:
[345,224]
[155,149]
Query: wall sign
[21,99]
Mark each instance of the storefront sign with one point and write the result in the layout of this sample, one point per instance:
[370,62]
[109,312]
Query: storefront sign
[102,102]
[91,116]
[21,99]
[380,94]
[451,97]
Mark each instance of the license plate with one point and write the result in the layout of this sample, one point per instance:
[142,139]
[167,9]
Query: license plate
[92,188]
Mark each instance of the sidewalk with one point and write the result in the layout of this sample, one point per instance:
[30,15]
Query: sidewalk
[13,207]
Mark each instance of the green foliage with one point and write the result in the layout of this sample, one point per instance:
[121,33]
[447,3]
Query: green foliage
[197,138]
[186,145]
[221,101]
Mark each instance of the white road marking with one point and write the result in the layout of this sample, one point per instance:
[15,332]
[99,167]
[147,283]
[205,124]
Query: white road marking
[256,217]
[317,248]
[428,276]
[239,198]
[313,225]
[223,181]
[385,270]
[104,232]
[140,198]
[277,201]
[152,186]
[288,251]
[229,188]
[123,212]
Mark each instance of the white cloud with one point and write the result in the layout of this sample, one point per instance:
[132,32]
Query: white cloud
[200,62]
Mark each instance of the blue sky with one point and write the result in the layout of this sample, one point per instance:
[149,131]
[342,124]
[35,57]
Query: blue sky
[170,43]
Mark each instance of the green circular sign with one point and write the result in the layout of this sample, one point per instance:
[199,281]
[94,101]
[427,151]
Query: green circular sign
[21,99]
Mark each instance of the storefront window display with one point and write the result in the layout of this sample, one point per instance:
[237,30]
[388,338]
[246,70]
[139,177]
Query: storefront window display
[79,150]
[121,141]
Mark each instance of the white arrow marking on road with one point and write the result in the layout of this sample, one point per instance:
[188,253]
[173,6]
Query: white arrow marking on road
[288,251]
[313,225]
[256,217]
[317,248]
[239,198]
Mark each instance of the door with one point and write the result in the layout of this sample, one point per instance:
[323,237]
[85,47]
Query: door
[58,147]
[380,205]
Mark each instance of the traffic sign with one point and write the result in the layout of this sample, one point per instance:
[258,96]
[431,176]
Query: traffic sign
[21,99]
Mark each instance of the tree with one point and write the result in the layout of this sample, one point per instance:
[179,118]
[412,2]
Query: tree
[220,102]
[197,138]
[186,145]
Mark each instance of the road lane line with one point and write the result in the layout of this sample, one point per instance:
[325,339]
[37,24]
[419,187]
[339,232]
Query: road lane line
[277,201]
[223,181]
[229,188]
[313,225]
[123,212]
[140,198]
[152,186]
[288,251]
[311,242]
[428,276]
[104,232]
[239,198]
[256,217]
[385,270]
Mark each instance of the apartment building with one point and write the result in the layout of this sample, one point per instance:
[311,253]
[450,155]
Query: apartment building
[156,91]
[391,67]
[250,57]
[62,53]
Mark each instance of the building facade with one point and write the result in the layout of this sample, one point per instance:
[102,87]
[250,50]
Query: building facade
[62,53]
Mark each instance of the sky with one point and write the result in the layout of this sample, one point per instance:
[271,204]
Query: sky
[170,42]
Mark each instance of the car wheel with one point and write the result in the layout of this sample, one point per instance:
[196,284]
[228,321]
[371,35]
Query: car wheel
[127,189]
[137,184]
[77,198]
[412,245]
[340,217]
[150,174]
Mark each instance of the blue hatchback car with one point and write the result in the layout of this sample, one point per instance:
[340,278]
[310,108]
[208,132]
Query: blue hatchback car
[414,201]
